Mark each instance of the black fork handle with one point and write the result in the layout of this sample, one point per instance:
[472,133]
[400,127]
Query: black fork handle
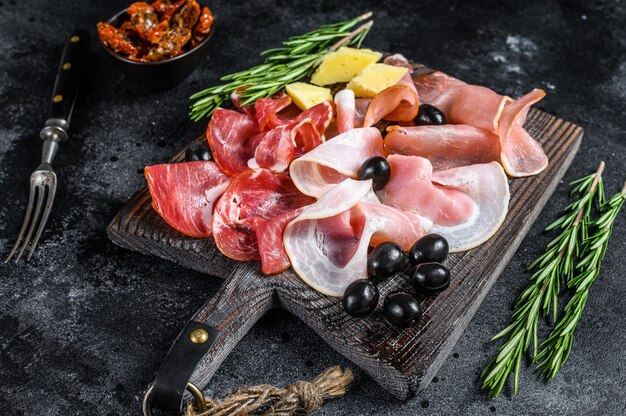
[69,77]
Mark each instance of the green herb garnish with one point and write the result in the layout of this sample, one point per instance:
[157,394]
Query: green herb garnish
[297,59]
[556,348]
[541,295]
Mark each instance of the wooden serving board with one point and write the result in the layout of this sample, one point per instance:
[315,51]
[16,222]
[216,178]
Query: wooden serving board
[401,361]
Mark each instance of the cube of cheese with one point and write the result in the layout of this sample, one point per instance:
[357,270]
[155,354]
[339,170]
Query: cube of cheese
[306,95]
[343,64]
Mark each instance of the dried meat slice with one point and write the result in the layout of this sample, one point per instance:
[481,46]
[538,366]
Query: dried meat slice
[521,154]
[322,168]
[269,233]
[267,109]
[233,139]
[250,195]
[410,188]
[487,185]
[399,102]
[279,146]
[328,242]
[184,194]
[445,146]
[483,108]
[346,110]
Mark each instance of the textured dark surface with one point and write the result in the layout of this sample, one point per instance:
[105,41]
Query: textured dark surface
[84,325]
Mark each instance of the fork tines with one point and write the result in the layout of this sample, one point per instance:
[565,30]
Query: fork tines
[42,190]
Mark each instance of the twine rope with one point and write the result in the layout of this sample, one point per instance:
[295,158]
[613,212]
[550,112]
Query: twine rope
[299,398]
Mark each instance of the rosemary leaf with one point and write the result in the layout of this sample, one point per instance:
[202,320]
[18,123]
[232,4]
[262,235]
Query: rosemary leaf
[541,295]
[295,60]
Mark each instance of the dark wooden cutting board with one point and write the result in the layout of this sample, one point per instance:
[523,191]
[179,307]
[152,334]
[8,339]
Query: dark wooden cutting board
[401,361]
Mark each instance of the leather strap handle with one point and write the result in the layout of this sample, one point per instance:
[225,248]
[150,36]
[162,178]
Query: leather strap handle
[211,334]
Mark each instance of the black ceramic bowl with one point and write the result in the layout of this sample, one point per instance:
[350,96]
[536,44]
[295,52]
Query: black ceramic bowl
[163,74]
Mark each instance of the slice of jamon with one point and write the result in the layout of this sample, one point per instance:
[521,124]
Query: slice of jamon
[235,98]
[399,102]
[445,146]
[410,189]
[487,185]
[346,110]
[279,110]
[322,168]
[269,233]
[266,110]
[233,139]
[250,195]
[432,85]
[184,194]
[328,242]
[361,106]
[521,154]
[279,146]
[483,108]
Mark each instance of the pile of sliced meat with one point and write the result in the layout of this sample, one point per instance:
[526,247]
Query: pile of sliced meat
[283,187]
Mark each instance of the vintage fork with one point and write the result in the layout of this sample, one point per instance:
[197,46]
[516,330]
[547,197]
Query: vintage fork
[43,181]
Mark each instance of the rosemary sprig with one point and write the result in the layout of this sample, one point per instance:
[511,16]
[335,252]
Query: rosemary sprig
[295,60]
[541,295]
[556,348]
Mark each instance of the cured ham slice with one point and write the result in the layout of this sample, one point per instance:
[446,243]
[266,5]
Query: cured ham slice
[346,110]
[328,242]
[278,110]
[279,146]
[483,108]
[361,106]
[487,185]
[317,171]
[235,98]
[397,59]
[269,233]
[521,154]
[266,110]
[233,139]
[184,194]
[410,189]
[445,146]
[250,195]
[399,102]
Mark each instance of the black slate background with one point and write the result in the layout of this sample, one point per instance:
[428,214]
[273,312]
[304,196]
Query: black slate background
[84,325]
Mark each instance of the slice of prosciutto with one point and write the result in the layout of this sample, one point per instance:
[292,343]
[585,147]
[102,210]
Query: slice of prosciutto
[250,195]
[466,204]
[184,194]
[399,102]
[233,139]
[487,185]
[328,242]
[346,110]
[269,233]
[445,146]
[278,147]
[322,168]
[410,188]
[485,109]
[521,154]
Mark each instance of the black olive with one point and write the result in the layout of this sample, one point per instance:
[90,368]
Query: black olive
[198,150]
[430,278]
[428,115]
[377,169]
[431,247]
[402,309]
[385,260]
[360,298]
